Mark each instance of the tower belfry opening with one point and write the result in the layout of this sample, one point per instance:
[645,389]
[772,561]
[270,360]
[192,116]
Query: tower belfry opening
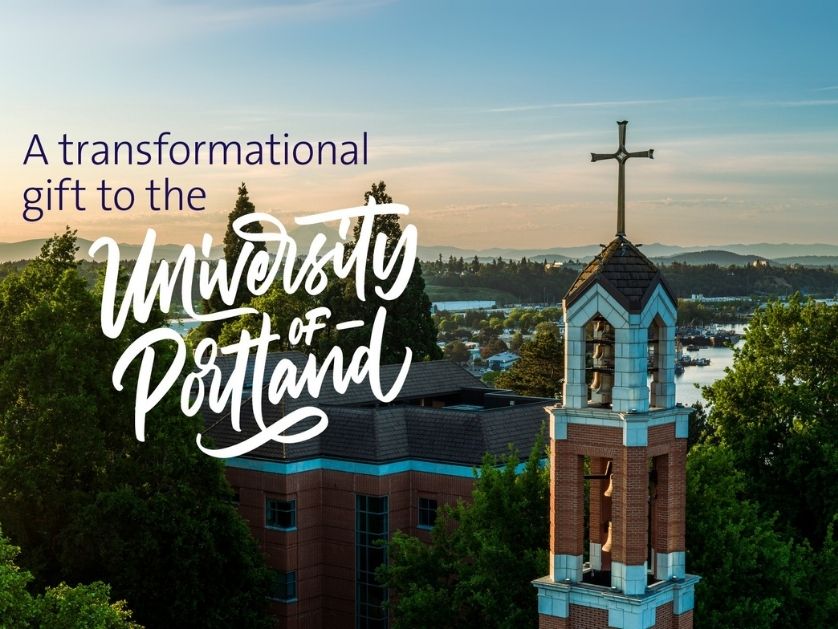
[618,419]
[600,338]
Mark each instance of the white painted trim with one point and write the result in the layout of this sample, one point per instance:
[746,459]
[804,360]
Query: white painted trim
[624,611]
[596,300]
[566,567]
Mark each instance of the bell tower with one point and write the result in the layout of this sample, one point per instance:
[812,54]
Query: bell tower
[618,428]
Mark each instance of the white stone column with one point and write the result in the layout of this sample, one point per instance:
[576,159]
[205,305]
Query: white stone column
[630,370]
[665,379]
[575,387]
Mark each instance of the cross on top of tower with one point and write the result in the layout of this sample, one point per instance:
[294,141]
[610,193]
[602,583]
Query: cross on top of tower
[621,155]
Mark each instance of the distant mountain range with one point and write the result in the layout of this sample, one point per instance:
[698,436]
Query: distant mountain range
[722,258]
[28,249]
[723,255]
[666,253]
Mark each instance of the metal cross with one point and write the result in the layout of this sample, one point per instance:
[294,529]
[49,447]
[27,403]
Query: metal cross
[621,155]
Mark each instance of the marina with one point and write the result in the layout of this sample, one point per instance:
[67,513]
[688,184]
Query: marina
[702,366]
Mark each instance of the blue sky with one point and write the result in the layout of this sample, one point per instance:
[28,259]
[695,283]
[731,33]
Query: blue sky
[481,115]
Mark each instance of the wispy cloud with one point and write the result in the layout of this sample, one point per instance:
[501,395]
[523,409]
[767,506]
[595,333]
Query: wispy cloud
[691,201]
[813,102]
[140,22]
[595,104]
[222,13]
[828,88]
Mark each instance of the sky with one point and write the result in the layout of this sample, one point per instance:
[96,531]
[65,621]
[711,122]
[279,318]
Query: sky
[481,116]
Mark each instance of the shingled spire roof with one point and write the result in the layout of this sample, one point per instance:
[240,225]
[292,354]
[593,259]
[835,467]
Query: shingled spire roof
[628,275]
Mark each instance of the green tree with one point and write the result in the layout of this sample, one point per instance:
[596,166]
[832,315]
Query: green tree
[60,607]
[478,569]
[281,307]
[492,347]
[516,342]
[409,322]
[16,605]
[541,367]
[749,572]
[233,245]
[447,325]
[774,417]
[83,498]
[693,313]
[777,409]
[457,352]
[491,378]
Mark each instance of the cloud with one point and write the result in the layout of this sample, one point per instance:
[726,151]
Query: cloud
[817,102]
[595,104]
[225,13]
[146,22]
[690,202]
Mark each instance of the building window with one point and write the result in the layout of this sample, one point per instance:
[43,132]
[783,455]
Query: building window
[281,514]
[283,586]
[427,513]
[371,533]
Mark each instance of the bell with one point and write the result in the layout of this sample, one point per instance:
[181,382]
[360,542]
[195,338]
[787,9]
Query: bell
[606,547]
[596,383]
[610,489]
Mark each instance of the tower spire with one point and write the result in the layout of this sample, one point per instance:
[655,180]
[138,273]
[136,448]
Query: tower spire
[621,155]
[619,427]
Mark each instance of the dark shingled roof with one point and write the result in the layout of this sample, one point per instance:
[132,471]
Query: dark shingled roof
[424,379]
[363,429]
[393,433]
[622,270]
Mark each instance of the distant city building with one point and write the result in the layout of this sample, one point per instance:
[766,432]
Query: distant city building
[473,350]
[502,361]
[569,264]
[716,300]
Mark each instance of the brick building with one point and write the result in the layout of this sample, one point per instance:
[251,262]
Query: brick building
[619,419]
[318,507]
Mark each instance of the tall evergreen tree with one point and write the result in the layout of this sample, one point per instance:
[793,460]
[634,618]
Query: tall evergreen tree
[233,243]
[80,495]
[232,249]
[409,322]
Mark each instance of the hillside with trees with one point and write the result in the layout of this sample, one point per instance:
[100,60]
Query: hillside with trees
[528,281]
[509,281]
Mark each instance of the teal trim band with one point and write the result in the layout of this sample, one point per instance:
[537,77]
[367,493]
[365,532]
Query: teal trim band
[357,467]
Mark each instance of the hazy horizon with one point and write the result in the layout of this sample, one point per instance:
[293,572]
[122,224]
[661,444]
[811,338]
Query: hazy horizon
[218,241]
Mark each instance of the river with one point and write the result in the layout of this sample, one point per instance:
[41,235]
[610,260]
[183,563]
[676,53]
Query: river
[688,384]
